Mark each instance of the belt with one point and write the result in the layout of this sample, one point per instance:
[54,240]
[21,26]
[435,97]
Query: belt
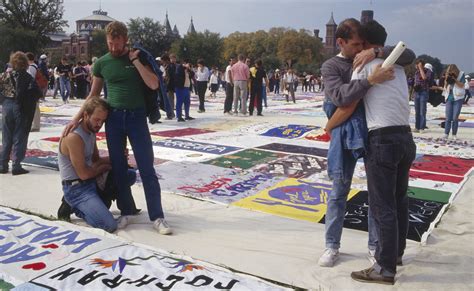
[73,182]
[390,130]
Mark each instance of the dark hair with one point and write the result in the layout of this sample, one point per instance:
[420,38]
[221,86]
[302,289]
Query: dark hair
[30,56]
[165,57]
[259,63]
[200,62]
[374,33]
[348,28]
[241,57]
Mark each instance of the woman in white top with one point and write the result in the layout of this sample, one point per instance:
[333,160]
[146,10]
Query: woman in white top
[289,79]
[214,80]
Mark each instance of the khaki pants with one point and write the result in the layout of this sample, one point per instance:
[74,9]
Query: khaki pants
[36,119]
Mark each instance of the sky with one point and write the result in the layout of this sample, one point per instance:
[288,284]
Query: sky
[439,28]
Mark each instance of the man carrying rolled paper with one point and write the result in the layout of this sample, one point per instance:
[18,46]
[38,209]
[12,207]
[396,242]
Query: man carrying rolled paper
[390,152]
[347,124]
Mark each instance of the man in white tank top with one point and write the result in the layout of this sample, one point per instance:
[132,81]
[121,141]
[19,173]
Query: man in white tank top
[80,164]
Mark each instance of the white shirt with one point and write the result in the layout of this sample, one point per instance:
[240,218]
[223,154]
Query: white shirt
[202,74]
[289,78]
[214,79]
[227,73]
[32,69]
[386,104]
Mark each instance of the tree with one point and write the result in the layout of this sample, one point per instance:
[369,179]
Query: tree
[201,45]
[299,47]
[438,67]
[14,39]
[24,24]
[151,35]
[40,16]
[98,43]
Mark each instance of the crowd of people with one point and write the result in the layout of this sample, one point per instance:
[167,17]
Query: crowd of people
[367,109]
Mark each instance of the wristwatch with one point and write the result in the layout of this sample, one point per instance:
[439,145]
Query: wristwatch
[377,51]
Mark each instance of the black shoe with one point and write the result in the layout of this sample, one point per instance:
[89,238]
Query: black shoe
[64,211]
[201,111]
[370,275]
[181,120]
[189,118]
[250,113]
[4,170]
[169,118]
[19,171]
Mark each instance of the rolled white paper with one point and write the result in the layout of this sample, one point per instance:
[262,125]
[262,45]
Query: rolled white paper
[393,57]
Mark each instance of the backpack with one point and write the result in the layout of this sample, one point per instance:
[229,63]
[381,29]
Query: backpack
[40,78]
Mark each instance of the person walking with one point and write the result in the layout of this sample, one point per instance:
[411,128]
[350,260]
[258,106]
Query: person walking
[20,97]
[454,95]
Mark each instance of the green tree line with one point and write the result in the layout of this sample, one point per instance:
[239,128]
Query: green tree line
[24,25]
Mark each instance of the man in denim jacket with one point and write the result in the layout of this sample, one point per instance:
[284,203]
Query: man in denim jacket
[349,139]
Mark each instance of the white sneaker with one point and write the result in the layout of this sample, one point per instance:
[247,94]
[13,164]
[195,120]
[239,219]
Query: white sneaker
[123,221]
[371,257]
[162,226]
[328,258]
[455,137]
[421,130]
[446,136]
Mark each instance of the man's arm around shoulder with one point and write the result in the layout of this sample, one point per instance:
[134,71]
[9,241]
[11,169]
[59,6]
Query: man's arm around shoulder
[340,93]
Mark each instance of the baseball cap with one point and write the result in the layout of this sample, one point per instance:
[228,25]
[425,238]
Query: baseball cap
[43,56]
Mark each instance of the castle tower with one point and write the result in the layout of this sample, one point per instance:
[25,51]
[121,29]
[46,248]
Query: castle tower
[168,30]
[366,16]
[191,28]
[175,30]
[330,44]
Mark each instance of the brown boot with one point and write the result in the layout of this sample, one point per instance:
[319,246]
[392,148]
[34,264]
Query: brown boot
[370,275]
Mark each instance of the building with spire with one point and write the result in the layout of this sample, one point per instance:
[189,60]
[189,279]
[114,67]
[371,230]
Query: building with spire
[330,47]
[191,28]
[366,16]
[175,31]
[168,30]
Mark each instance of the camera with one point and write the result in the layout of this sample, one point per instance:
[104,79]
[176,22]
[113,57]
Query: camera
[451,80]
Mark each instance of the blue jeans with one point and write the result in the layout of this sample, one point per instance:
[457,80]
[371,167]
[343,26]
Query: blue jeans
[421,99]
[453,109]
[388,164]
[336,208]
[86,204]
[264,95]
[132,124]
[64,87]
[183,96]
[15,133]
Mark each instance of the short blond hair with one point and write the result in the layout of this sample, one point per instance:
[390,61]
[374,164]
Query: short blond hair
[95,102]
[116,29]
[19,61]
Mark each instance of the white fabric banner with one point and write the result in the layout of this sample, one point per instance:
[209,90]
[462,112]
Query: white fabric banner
[134,268]
[31,246]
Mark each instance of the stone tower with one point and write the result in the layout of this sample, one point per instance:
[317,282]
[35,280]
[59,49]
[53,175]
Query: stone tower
[330,44]
[191,28]
[168,30]
[366,16]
